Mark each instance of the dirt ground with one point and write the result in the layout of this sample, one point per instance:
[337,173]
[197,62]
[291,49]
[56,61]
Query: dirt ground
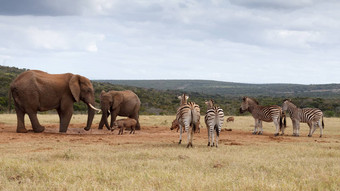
[147,134]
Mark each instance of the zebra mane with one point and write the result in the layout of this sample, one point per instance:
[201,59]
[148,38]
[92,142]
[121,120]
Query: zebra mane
[287,100]
[254,100]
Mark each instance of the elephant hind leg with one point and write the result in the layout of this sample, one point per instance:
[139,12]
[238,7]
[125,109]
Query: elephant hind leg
[37,128]
[136,117]
[20,121]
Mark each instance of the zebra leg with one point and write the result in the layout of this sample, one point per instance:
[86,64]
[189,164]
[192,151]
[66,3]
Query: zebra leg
[320,126]
[255,128]
[218,131]
[294,128]
[277,127]
[314,126]
[282,127]
[190,135]
[297,128]
[261,127]
[208,129]
[180,134]
[310,129]
[212,136]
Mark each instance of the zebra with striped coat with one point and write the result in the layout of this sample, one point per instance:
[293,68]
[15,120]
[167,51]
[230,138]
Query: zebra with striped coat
[312,116]
[263,113]
[188,116]
[214,121]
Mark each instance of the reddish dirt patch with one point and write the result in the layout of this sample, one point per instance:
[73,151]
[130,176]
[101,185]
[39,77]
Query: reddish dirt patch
[148,134]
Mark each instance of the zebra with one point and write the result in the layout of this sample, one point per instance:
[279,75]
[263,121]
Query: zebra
[188,116]
[214,118]
[263,113]
[312,116]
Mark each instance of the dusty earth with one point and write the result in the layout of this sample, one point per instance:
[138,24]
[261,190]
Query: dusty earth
[147,134]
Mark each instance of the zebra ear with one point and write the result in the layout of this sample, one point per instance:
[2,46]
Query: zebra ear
[186,97]
[244,98]
[206,102]
[179,97]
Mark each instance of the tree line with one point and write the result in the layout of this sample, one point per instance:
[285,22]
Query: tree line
[165,102]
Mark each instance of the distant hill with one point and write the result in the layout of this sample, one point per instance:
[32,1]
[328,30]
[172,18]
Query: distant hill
[235,89]
[160,96]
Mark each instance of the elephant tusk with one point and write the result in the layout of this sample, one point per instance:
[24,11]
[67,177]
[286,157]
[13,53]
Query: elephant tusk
[94,108]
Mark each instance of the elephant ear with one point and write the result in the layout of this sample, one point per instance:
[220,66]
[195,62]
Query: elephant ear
[75,87]
[117,100]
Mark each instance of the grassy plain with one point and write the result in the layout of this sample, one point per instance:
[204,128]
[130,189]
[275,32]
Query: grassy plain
[152,160]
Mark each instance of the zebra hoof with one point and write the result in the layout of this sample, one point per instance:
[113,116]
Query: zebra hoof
[320,136]
[189,145]
[260,133]
[180,142]
[276,134]
[208,144]
[309,135]
[254,133]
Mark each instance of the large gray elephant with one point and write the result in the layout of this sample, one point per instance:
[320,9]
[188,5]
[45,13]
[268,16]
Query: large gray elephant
[36,90]
[122,103]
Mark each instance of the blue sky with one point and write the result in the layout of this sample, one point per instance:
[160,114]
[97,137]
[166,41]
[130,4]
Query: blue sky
[252,41]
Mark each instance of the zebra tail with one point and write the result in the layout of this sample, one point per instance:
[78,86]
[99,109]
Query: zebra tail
[217,131]
[280,122]
[323,125]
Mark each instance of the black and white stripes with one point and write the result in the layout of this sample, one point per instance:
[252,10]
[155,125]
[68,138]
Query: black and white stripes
[214,118]
[312,116]
[188,116]
[263,113]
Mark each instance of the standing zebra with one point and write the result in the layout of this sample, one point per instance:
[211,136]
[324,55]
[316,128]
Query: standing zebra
[312,116]
[188,116]
[214,121]
[263,113]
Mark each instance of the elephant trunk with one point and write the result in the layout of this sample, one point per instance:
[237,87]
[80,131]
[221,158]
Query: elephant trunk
[91,112]
[105,116]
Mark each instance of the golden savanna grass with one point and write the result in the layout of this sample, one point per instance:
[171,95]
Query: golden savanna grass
[152,160]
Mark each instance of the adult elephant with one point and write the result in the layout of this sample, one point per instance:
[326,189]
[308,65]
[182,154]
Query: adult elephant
[122,103]
[35,90]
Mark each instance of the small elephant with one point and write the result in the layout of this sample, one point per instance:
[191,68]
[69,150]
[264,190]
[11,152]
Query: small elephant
[125,123]
[35,90]
[122,103]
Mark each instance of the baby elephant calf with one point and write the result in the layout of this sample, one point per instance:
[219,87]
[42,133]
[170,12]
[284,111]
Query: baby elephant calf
[125,123]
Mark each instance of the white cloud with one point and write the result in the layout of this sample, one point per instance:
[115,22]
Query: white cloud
[245,41]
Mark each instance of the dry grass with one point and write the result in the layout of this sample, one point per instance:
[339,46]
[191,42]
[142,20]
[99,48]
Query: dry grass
[46,163]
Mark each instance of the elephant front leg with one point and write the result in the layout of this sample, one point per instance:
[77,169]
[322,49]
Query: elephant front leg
[20,121]
[101,123]
[37,128]
[113,117]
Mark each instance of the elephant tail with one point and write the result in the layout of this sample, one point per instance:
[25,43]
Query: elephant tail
[9,100]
